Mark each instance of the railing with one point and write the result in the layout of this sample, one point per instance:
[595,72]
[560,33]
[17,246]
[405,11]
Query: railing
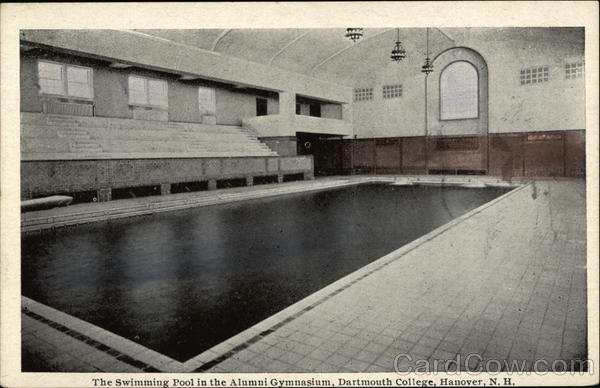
[278,125]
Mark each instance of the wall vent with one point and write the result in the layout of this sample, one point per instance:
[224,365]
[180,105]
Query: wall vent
[68,108]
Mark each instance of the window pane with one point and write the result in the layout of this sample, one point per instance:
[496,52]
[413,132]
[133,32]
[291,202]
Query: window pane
[137,90]
[80,90]
[52,86]
[459,91]
[157,93]
[206,101]
[79,82]
[48,70]
[50,77]
[78,74]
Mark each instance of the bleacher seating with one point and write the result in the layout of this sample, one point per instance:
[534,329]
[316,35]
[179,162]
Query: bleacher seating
[61,137]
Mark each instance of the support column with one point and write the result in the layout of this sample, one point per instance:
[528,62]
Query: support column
[281,137]
[287,105]
[347,113]
[165,188]
[104,194]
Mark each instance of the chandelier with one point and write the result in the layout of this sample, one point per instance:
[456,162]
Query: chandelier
[398,52]
[354,34]
[428,66]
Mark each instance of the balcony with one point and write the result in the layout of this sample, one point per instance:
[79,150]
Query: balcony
[279,125]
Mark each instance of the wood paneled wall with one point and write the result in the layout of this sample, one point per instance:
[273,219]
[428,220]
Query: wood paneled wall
[530,154]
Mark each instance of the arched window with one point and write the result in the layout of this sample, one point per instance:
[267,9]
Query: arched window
[459,95]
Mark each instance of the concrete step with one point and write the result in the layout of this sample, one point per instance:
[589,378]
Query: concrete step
[44,134]
[102,155]
[73,134]
[83,146]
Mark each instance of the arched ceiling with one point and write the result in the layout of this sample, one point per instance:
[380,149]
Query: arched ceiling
[325,53]
[322,53]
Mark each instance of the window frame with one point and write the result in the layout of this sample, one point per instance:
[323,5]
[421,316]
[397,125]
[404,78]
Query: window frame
[64,66]
[393,91]
[478,116]
[361,94]
[526,74]
[574,70]
[147,93]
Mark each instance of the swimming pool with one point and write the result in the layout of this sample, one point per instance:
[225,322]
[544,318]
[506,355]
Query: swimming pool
[182,282]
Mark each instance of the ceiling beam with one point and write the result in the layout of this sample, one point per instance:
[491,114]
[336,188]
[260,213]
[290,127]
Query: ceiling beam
[218,39]
[27,47]
[312,71]
[188,77]
[291,42]
[119,65]
[171,42]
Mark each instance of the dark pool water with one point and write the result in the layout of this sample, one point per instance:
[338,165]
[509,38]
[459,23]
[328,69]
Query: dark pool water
[182,282]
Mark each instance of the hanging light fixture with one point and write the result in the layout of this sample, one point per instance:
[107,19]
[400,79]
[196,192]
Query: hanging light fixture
[398,52]
[428,66]
[354,34]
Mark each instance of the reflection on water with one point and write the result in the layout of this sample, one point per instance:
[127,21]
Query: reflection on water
[181,282]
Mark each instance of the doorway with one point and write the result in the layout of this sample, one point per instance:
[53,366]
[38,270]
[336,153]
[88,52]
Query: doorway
[261,107]
[320,147]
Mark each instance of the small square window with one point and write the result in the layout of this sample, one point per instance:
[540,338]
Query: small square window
[362,94]
[392,91]
[574,70]
[534,75]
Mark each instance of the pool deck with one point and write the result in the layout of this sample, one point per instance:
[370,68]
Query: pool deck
[506,281]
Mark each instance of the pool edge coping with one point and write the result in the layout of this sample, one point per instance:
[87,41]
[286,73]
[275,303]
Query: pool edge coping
[227,348]
[33,224]
[37,224]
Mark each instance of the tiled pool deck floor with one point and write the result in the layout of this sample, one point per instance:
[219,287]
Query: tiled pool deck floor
[506,281]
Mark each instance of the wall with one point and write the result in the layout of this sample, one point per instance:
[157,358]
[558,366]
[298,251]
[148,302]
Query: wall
[402,116]
[233,106]
[152,52]
[331,111]
[532,154]
[558,104]
[283,145]
[40,178]
[110,91]
[30,101]
[475,126]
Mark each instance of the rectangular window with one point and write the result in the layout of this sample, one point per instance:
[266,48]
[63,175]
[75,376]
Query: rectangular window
[65,80]
[534,75]
[392,91]
[207,101]
[574,70]
[315,110]
[148,92]
[362,94]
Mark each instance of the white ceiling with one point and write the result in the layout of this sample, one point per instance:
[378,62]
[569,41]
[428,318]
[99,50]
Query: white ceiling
[328,54]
